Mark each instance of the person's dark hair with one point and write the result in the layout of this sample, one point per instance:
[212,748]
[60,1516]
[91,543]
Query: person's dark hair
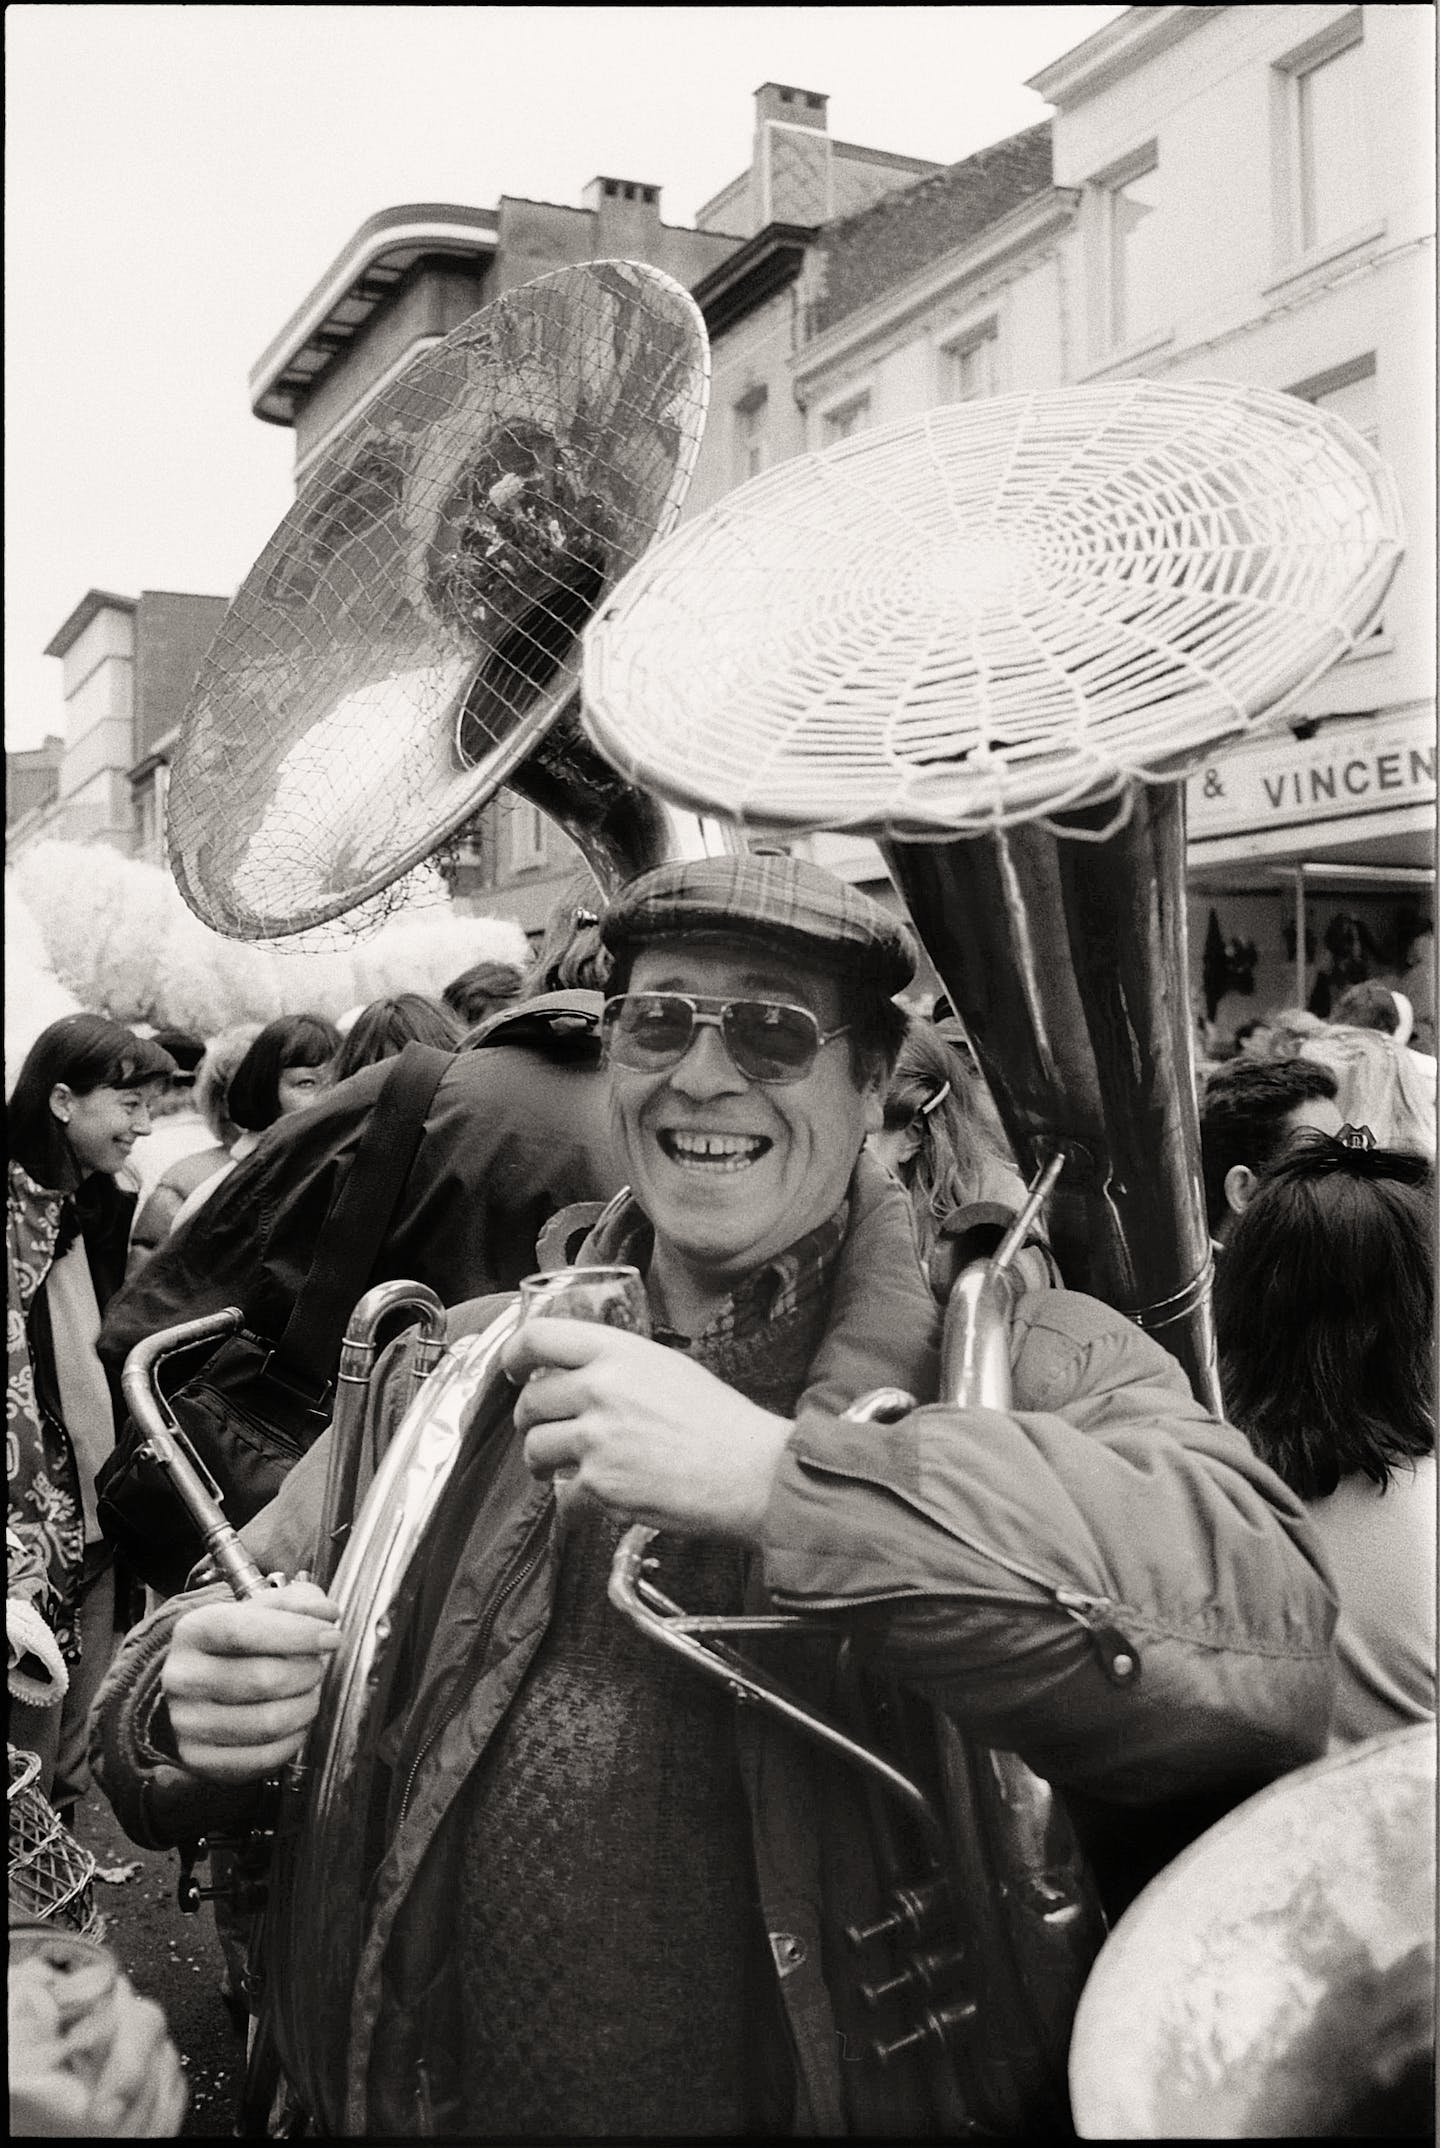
[931,1083]
[292,1040]
[178,1093]
[184,1048]
[1366,1006]
[1244,1107]
[570,957]
[477,991]
[87,1052]
[386,1026]
[1324,1307]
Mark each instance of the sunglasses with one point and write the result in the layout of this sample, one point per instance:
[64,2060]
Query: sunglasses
[767,1040]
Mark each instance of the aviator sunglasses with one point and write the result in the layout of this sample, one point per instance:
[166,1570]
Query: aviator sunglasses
[767,1040]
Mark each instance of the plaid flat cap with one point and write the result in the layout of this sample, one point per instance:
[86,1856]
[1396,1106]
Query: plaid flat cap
[768,898]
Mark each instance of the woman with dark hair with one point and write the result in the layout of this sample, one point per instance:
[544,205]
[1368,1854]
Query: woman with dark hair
[78,1107]
[286,1067]
[284,1070]
[386,1026]
[1325,1307]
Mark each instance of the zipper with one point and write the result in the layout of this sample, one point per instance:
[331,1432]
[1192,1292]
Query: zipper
[1119,1658]
[520,1567]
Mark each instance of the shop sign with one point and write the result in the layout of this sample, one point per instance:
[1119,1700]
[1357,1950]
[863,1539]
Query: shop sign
[1338,775]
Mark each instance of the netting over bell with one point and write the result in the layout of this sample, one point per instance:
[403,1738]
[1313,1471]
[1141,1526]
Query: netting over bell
[995,610]
[413,625]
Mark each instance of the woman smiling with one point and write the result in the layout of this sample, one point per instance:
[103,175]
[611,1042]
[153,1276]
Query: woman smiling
[80,1104]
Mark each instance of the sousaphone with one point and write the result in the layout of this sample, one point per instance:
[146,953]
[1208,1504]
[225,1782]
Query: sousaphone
[408,640]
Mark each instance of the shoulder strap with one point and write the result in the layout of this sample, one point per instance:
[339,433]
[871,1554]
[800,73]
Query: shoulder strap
[358,1219]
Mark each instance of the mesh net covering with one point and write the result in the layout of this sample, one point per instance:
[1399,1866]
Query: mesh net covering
[987,613]
[413,624]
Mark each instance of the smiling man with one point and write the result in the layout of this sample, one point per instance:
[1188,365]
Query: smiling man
[600,1910]
[610,1902]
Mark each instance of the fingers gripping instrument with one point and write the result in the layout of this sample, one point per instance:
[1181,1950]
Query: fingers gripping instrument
[989,1922]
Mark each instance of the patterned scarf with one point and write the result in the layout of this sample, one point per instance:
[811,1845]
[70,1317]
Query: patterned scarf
[44,1511]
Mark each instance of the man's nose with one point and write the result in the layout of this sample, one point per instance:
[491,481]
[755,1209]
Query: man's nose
[141,1120]
[707,1068]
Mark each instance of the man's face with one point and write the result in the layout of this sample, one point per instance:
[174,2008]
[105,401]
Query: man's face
[728,1170]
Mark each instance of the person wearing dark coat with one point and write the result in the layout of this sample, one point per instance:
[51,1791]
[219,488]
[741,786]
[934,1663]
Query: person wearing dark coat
[518,1128]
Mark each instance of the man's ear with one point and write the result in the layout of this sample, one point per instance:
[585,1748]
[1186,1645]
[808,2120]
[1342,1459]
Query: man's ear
[62,1101]
[1240,1184]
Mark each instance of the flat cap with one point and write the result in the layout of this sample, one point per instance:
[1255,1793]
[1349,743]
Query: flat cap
[783,900]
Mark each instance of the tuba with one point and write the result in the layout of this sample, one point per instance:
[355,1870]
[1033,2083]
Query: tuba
[996,638]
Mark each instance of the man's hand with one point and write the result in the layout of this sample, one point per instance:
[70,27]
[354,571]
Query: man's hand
[243,1680]
[649,1434]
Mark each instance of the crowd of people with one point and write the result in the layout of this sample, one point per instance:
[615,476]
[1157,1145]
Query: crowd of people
[712,1080]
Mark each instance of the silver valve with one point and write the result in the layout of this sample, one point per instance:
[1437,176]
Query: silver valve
[937,2025]
[928,1970]
[914,1911]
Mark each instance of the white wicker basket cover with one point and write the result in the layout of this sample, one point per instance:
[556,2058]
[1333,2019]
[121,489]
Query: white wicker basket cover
[413,624]
[990,612]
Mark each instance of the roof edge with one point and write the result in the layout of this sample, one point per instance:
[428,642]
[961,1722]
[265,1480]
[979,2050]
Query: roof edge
[406,221]
[90,607]
[1137,35]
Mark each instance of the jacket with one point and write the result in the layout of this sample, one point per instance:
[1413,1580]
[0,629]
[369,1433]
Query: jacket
[44,1484]
[516,1130]
[1203,1551]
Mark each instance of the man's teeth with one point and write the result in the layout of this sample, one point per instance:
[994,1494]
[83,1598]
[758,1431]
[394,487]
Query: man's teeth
[714,1152]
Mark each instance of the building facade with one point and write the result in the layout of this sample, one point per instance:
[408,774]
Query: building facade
[128,664]
[1257,203]
[1232,192]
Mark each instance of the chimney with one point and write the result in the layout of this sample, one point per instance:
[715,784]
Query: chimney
[790,168]
[798,107]
[627,219]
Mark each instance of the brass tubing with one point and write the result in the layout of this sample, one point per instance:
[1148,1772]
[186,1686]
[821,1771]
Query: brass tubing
[173,1451]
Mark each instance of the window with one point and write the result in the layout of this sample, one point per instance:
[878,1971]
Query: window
[1332,167]
[527,836]
[1134,262]
[1321,155]
[750,416]
[845,419]
[1350,392]
[967,366]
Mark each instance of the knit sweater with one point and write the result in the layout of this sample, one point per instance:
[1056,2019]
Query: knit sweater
[610,1941]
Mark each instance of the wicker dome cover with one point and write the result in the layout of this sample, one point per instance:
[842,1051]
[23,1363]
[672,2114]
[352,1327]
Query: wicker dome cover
[413,625]
[987,613]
